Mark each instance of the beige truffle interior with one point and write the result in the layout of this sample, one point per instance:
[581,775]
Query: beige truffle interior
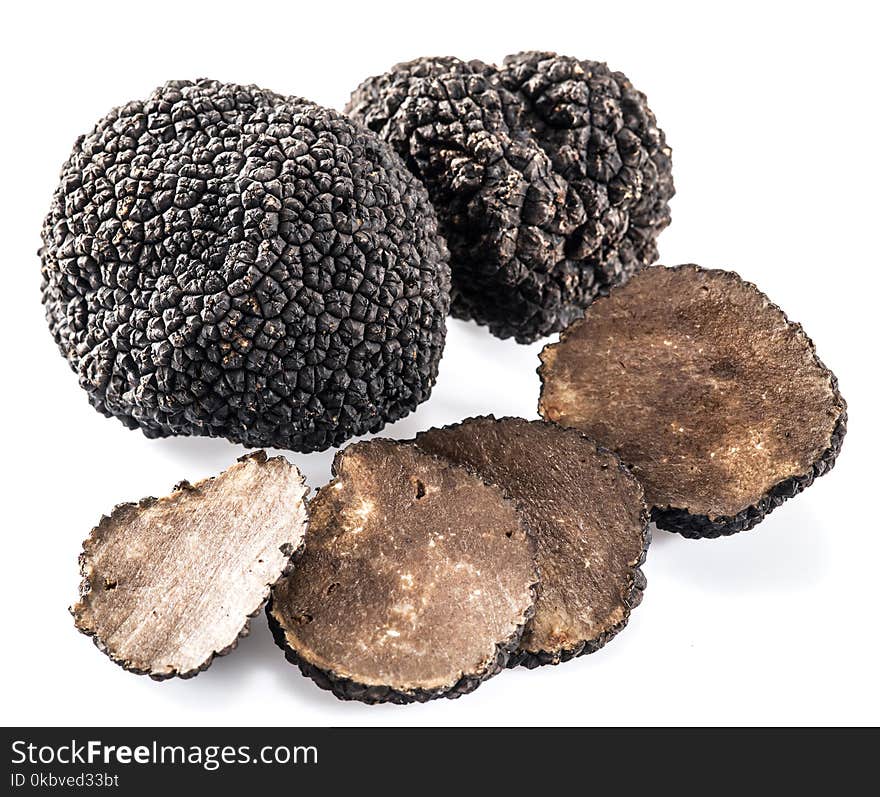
[170,582]
[587,514]
[414,571]
[699,383]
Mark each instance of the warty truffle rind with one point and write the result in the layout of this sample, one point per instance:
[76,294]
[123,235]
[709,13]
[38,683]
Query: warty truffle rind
[220,260]
[545,205]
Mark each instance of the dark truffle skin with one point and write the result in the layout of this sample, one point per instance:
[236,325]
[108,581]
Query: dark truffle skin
[549,174]
[220,260]
[587,513]
[715,399]
[169,583]
[415,583]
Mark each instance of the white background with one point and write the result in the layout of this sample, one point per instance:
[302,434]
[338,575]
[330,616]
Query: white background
[771,111]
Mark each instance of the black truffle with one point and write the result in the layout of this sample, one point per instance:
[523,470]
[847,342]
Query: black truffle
[589,519]
[549,174]
[715,399]
[169,583]
[220,260]
[416,580]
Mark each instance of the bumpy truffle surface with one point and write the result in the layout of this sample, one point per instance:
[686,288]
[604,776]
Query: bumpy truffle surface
[416,580]
[169,583]
[220,260]
[589,519]
[716,400]
[549,174]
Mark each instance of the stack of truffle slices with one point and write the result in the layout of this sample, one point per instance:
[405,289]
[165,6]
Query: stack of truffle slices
[422,569]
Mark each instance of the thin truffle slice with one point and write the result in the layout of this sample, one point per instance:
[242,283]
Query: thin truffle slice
[706,389]
[587,513]
[169,583]
[416,580]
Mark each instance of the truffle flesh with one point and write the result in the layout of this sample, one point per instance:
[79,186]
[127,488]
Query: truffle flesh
[416,580]
[714,398]
[169,583]
[589,519]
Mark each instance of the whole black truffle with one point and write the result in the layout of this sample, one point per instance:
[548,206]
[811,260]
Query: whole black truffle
[549,174]
[220,260]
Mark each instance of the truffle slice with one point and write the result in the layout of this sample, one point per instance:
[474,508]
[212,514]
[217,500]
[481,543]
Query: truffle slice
[705,388]
[416,580]
[169,583]
[588,514]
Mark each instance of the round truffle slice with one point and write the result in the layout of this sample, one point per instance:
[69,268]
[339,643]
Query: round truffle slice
[714,398]
[416,580]
[169,583]
[587,513]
